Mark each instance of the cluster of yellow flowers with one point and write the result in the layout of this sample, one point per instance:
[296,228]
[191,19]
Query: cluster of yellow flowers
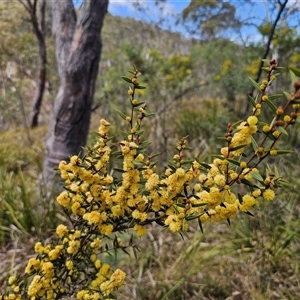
[100,204]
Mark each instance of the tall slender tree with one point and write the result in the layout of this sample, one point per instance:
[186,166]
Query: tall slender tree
[78,47]
[36,10]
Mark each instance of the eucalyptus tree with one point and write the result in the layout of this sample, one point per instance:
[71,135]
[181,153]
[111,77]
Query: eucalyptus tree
[78,44]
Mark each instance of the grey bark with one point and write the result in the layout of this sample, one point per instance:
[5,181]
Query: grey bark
[78,47]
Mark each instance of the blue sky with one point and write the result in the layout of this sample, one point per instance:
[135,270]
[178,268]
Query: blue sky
[171,9]
[150,12]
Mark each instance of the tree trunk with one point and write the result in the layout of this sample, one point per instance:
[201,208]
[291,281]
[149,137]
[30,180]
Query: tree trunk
[78,47]
[38,26]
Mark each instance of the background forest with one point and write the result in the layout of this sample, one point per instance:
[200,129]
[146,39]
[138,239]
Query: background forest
[196,82]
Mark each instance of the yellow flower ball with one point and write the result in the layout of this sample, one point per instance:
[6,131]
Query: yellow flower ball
[252,120]
[268,195]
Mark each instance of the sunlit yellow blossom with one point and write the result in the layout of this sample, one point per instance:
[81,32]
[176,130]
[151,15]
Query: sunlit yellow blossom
[54,253]
[152,182]
[233,175]
[63,199]
[136,214]
[243,164]
[174,223]
[252,120]
[229,197]
[97,264]
[106,288]
[75,160]
[220,180]
[276,133]
[106,270]
[117,211]
[33,264]
[287,118]
[248,202]
[81,294]
[266,128]
[69,264]
[256,193]
[117,278]
[12,280]
[268,195]
[202,178]
[139,158]
[104,127]
[48,269]
[106,229]
[140,230]
[38,248]
[77,209]
[273,152]
[197,187]
[215,196]
[35,286]
[61,230]
[224,152]
[96,243]
[73,247]
[168,172]
[180,172]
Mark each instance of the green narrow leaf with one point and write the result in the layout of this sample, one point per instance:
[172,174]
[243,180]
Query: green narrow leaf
[295,71]
[206,188]
[249,213]
[238,147]
[138,104]
[122,115]
[119,170]
[272,123]
[298,120]
[191,217]
[287,95]
[257,176]
[274,97]
[140,87]
[134,67]
[255,84]
[199,204]
[281,130]
[252,101]
[280,152]
[271,105]
[254,144]
[293,76]
[234,162]
[240,198]
[126,79]
[149,115]
[200,225]
[247,182]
